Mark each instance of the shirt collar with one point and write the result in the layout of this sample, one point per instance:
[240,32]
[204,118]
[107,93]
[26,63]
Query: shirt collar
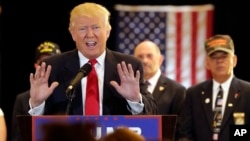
[100,59]
[225,85]
[155,78]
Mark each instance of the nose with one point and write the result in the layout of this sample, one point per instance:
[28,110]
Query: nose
[90,32]
[144,59]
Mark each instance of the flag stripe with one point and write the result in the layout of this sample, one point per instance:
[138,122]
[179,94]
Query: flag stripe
[194,47]
[180,32]
[178,46]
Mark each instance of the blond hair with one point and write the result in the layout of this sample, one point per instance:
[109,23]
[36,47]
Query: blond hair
[90,10]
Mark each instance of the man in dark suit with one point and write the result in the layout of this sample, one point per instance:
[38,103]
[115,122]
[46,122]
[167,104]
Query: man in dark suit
[199,120]
[168,93]
[121,86]
[44,50]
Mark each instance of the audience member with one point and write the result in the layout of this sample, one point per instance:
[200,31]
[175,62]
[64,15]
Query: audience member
[123,134]
[21,107]
[121,88]
[168,94]
[3,128]
[207,116]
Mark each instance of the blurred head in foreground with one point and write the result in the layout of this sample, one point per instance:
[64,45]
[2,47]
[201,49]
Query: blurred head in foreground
[61,131]
[123,134]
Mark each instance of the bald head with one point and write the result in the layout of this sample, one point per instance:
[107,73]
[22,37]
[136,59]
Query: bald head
[149,54]
[149,45]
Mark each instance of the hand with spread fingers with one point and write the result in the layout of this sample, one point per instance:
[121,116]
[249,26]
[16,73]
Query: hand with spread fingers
[129,87]
[39,87]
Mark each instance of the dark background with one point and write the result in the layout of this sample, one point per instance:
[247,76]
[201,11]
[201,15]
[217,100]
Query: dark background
[25,24]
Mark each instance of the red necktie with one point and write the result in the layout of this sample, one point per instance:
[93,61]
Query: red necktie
[92,92]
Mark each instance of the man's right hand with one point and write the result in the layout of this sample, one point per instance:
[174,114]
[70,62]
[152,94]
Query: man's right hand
[39,87]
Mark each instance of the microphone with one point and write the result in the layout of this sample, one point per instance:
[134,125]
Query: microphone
[84,71]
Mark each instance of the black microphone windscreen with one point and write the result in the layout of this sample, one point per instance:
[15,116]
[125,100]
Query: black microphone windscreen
[85,69]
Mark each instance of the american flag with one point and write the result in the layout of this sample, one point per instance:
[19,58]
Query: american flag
[179,31]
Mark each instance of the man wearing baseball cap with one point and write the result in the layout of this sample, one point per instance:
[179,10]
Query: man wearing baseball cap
[222,43]
[43,50]
[46,49]
[215,104]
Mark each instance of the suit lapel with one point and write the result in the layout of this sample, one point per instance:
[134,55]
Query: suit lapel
[70,70]
[232,100]
[160,88]
[206,102]
[110,74]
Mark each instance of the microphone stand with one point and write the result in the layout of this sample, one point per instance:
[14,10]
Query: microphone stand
[70,95]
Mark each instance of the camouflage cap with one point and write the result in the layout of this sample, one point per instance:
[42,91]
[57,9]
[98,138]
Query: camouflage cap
[48,48]
[219,43]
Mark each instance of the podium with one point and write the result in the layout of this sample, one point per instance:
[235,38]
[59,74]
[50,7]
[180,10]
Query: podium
[152,127]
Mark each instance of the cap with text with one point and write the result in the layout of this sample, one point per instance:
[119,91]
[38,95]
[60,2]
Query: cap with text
[219,43]
[47,48]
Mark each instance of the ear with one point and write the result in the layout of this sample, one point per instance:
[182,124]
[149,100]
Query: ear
[108,33]
[206,63]
[161,59]
[72,33]
[235,59]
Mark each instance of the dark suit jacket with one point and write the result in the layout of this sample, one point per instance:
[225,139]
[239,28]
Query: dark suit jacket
[64,68]
[21,107]
[66,65]
[197,116]
[169,96]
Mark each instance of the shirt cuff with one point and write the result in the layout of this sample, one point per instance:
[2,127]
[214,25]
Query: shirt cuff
[36,111]
[136,107]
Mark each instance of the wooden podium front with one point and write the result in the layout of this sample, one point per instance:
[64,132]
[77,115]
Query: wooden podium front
[152,127]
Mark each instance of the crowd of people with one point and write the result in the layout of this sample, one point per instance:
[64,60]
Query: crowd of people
[129,85]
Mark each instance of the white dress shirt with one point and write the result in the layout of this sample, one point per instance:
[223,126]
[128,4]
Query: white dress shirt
[153,81]
[225,86]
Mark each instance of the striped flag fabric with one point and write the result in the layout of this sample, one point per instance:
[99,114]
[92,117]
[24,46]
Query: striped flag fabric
[179,31]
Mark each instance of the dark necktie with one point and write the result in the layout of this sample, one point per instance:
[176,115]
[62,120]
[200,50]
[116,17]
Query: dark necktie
[147,83]
[92,92]
[217,114]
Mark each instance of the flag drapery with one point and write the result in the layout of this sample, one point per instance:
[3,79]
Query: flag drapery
[179,31]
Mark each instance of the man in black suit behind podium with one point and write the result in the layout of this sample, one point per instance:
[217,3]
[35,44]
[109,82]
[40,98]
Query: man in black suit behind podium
[197,118]
[168,93]
[122,90]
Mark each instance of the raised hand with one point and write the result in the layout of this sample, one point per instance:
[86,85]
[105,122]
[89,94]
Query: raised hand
[39,87]
[129,87]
